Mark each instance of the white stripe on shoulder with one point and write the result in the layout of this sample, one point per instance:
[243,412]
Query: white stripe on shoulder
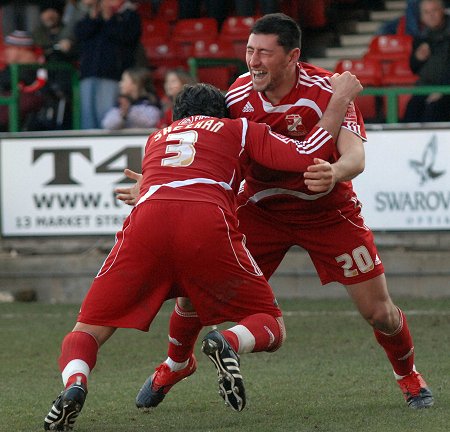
[238,94]
[321,81]
[230,92]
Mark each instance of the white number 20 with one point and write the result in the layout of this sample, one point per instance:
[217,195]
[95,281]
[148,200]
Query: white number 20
[361,258]
[184,149]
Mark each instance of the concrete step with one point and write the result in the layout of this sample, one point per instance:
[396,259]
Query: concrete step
[397,5]
[367,27]
[412,274]
[346,52]
[350,40]
[416,265]
[387,15]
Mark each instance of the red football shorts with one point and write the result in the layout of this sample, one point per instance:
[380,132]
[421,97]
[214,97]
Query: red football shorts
[177,248]
[341,247]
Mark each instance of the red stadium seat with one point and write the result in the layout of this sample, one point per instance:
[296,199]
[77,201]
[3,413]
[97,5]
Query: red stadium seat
[399,73]
[390,47]
[164,53]
[192,29]
[168,11]
[155,30]
[236,30]
[313,14]
[187,31]
[371,107]
[144,9]
[162,56]
[211,49]
[221,76]
[368,71]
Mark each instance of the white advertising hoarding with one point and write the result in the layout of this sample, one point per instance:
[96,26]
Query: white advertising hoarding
[406,183]
[64,185]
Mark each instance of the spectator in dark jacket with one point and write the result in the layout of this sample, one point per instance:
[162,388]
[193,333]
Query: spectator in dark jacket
[430,60]
[108,38]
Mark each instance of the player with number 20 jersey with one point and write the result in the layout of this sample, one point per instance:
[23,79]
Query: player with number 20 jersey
[328,224]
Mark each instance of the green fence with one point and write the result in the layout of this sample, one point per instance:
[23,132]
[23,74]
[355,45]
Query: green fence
[392,93]
[12,101]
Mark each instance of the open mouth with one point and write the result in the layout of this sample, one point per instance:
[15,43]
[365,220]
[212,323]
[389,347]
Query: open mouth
[258,75]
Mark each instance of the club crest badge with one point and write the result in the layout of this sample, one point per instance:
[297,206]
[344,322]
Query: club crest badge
[295,126]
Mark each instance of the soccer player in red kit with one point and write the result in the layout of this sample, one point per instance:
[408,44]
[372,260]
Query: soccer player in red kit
[319,210]
[181,238]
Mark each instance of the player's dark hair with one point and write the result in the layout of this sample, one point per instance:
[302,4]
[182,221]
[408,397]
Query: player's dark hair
[199,99]
[288,31]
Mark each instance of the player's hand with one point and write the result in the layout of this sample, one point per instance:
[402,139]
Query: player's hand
[320,177]
[346,85]
[130,195]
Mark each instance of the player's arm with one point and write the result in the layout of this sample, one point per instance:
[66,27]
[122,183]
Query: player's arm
[323,175]
[319,142]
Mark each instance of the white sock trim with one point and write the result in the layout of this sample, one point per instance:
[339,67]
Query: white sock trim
[245,337]
[399,377]
[74,367]
[176,366]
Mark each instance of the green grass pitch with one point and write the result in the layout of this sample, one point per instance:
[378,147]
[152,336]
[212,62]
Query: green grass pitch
[329,376]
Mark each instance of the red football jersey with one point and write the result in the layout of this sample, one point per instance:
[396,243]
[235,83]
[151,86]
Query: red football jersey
[215,153]
[295,116]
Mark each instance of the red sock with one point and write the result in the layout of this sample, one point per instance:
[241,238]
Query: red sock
[78,357]
[399,347]
[184,328]
[258,332]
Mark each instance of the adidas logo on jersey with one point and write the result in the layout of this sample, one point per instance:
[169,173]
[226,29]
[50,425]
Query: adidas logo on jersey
[248,107]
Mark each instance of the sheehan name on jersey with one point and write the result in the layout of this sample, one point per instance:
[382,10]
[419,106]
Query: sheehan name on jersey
[194,122]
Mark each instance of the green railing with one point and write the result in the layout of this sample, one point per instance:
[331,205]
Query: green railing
[13,100]
[392,93]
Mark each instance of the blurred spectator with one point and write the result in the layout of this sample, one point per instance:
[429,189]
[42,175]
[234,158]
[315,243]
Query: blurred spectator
[138,106]
[249,7]
[57,42]
[51,34]
[76,10]
[409,23]
[430,60]
[108,38]
[19,15]
[217,9]
[174,80]
[20,49]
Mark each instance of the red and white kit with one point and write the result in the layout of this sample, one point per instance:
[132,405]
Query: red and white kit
[276,210]
[181,239]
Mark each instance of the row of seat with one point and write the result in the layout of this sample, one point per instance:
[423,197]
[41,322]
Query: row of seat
[386,63]
[169,45]
[185,32]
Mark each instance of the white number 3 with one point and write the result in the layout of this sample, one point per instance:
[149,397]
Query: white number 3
[362,259]
[184,149]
